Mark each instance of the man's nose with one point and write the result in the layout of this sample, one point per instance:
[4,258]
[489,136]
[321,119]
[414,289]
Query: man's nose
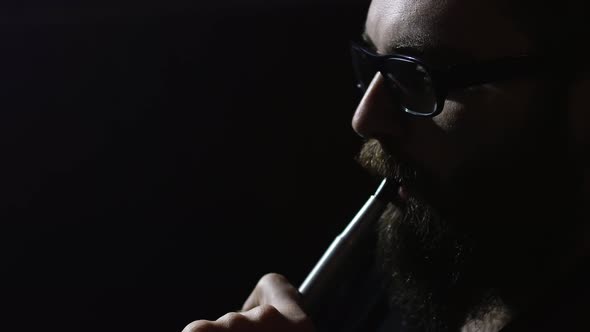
[377,115]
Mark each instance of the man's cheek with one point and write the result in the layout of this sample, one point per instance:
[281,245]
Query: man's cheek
[448,120]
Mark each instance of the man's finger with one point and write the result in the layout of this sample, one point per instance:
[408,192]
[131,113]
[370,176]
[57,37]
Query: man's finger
[262,318]
[275,290]
[268,318]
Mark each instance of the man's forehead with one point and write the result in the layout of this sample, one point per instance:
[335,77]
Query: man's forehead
[398,23]
[474,28]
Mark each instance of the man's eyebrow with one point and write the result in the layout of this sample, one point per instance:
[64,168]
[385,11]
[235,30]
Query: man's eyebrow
[367,40]
[416,47]
[406,46]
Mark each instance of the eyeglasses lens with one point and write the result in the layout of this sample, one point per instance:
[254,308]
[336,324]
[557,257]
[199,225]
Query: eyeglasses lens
[410,81]
[412,84]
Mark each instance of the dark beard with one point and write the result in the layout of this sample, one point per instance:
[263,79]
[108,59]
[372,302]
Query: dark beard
[448,267]
[426,263]
[424,257]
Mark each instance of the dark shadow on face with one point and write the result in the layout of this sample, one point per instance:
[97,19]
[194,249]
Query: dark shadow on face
[512,222]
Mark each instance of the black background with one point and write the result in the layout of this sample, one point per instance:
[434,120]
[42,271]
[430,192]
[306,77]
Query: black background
[158,157]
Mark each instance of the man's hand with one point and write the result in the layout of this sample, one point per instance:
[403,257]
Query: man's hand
[273,306]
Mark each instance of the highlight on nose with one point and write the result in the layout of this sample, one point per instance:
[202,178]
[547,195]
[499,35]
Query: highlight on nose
[376,115]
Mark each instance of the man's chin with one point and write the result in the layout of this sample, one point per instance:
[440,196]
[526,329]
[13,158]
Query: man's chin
[451,261]
[427,263]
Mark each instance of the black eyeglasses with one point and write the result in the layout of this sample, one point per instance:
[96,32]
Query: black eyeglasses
[421,89]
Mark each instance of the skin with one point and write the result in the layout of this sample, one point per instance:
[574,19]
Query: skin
[272,306]
[476,122]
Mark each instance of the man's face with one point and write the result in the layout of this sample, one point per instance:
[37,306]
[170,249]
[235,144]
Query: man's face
[483,182]
[475,119]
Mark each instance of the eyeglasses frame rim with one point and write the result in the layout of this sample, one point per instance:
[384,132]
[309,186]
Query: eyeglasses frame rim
[456,76]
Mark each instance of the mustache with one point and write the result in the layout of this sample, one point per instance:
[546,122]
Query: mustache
[378,161]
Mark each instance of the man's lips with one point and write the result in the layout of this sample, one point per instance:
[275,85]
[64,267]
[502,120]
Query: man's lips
[402,188]
[403,193]
[399,195]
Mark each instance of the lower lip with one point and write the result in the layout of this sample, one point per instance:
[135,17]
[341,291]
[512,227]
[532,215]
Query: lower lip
[402,192]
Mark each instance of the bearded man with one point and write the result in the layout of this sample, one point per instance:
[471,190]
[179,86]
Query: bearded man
[477,108]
